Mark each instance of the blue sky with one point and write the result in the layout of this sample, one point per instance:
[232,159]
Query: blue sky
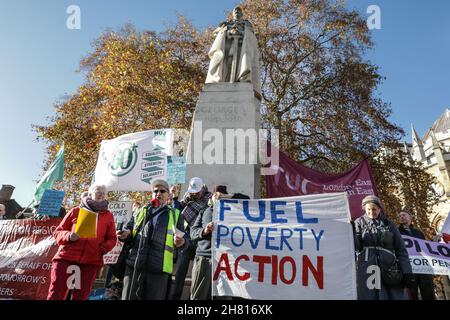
[39,58]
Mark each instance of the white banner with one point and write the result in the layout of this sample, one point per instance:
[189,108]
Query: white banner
[132,161]
[428,257]
[284,248]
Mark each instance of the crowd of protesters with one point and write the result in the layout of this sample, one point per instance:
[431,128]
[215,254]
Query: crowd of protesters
[166,234]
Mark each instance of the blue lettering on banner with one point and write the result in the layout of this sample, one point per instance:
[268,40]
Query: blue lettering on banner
[274,212]
[223,208]
[262,211]
[221,234]
[300,231]
[317,237]
[233,236]
[268,238]
[276,238]
[254,244]
[283,238]
[299,211]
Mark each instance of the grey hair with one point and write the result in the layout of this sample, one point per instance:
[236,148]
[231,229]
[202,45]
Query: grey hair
[92,188]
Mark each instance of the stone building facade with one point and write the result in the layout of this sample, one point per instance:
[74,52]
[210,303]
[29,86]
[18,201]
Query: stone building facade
[433,151]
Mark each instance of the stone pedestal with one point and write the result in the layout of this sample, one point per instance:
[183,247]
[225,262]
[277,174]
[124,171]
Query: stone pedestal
[223,142]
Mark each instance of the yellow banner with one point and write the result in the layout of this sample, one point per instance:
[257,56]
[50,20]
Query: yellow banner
[86,226]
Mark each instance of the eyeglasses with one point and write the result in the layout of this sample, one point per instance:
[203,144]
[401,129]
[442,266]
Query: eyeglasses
[160,191]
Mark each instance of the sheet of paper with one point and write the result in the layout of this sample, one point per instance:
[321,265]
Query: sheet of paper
[179,233]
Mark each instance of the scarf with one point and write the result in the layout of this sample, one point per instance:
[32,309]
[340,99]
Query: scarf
[92,205]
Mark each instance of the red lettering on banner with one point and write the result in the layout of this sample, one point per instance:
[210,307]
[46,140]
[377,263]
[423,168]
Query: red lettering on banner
[316,272]
[223,260]
[294,270]
[246,275]
[261,261]
[278,266]
[274,269]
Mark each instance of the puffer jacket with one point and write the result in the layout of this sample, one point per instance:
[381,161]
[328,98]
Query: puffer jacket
[85,251]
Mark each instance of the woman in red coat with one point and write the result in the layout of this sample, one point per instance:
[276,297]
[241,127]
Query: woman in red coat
[78,260]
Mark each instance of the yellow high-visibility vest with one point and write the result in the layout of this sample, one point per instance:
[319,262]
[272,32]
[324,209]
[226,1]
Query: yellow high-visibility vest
[169,246]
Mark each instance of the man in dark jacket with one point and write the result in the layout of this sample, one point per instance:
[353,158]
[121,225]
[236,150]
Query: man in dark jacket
[424,282]
[155,232]
[201,231]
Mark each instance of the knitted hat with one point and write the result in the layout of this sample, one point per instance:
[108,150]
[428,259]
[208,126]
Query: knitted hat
[371,199]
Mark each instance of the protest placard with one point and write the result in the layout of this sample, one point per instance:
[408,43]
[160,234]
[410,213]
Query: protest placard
[121,210]
[176,170]
[51,203]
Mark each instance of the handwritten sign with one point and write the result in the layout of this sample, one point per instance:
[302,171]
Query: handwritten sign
[51,203]
[121,210]
[112,256]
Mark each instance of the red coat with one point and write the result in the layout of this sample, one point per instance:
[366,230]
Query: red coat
[85,251]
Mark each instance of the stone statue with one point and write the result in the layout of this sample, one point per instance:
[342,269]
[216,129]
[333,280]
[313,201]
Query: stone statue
[234,53]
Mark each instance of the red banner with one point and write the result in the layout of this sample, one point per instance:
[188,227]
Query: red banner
[26,251]
[293,179]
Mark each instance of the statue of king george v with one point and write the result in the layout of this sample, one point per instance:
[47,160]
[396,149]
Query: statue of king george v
[234,53]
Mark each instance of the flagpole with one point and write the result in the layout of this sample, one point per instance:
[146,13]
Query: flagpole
[21,213]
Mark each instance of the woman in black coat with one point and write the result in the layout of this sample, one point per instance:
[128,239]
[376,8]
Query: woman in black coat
[379,244]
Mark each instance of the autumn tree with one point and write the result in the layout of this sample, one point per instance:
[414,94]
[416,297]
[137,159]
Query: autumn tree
[403,184]
[318,90]
[134,82]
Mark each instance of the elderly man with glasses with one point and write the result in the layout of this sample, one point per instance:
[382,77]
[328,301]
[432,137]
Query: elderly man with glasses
[152,236]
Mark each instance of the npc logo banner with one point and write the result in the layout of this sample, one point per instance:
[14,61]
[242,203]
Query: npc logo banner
[131,162]
[284,248]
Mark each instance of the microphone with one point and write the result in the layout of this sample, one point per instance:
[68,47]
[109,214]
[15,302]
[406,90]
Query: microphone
[155,203]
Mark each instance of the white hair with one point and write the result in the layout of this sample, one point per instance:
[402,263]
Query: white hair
[2,206]
[100,187]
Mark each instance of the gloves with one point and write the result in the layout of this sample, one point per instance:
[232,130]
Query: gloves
[408,280]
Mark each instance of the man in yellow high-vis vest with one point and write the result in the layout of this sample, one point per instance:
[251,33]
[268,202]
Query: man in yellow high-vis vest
[153,235]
